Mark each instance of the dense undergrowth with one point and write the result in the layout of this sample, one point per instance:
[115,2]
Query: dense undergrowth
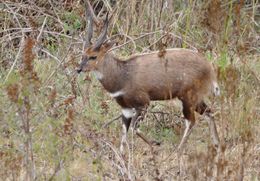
[51,119]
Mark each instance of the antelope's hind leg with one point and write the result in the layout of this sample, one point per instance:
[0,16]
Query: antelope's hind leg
[188,112]
[202,108]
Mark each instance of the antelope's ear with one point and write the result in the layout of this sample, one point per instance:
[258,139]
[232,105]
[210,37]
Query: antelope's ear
[108,45]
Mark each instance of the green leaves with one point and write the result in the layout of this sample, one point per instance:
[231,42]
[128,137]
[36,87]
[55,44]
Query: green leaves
[72,22]
[223,60]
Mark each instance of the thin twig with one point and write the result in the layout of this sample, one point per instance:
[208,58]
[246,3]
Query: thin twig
[158,40]
[51,55]
[96,21]
[252,71]
[118,156]
[60,62]
[172,34]
[160,14]
[111,121]
[56,14]
[127,36]
[26,30]
[15,61]
[40,34]
[56,170]
[140,37]
[21,44]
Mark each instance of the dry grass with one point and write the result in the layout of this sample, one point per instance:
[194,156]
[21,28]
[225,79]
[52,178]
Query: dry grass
[51,119]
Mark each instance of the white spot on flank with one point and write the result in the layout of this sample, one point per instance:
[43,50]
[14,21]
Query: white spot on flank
[98,75]
[216,90]
[116,94]
[128,112]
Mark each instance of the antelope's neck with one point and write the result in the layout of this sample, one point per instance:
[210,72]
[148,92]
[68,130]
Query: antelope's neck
[113,73]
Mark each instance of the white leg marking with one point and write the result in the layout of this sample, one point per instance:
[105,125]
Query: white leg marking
[187,127]
[129,112]
[98,75]
[186,133]
[124,138]
[116,94]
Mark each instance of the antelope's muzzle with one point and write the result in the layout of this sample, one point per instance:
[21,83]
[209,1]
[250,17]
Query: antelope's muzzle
[79,70]
[82,66]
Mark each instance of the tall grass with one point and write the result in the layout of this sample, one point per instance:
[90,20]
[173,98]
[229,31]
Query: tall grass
[52,120]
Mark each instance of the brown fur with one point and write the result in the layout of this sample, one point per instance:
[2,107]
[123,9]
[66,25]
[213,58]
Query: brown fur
[162,75]
[181,73]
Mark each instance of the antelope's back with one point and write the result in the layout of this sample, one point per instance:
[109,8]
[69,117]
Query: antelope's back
[173,74]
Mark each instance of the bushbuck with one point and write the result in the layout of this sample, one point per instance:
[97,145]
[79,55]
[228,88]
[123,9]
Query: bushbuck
[178,73]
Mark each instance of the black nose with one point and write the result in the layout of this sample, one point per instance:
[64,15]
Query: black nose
[79,70]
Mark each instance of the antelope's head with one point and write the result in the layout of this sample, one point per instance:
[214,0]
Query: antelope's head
[94,53]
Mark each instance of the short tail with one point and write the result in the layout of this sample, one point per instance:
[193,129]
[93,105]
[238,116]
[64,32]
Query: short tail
[216,89]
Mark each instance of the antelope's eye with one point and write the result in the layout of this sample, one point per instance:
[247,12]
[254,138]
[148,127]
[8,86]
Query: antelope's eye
[92,58]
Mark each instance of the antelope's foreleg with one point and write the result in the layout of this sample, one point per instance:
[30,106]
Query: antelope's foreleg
[126,119]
